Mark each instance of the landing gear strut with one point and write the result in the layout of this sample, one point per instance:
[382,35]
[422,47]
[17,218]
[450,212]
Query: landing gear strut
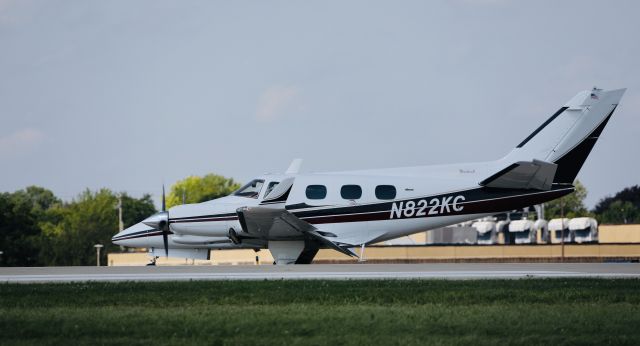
[234,236]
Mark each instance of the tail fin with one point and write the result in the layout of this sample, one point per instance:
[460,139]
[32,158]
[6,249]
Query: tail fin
[567,137]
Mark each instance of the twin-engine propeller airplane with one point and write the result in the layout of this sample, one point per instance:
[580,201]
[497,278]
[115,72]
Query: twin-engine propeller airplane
[294,215]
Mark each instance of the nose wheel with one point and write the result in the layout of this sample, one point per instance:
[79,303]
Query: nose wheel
[153,261]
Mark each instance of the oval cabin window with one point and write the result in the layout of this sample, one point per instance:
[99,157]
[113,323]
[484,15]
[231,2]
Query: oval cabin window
[385,192]
[351,192]
[316,192]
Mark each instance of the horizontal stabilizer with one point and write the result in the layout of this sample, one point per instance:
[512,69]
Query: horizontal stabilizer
[536,175]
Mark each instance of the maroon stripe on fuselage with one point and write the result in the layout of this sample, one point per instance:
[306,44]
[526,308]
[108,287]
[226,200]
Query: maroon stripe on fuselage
[203,216]
[381,215]
[227,218]
[494,205]
[150,234]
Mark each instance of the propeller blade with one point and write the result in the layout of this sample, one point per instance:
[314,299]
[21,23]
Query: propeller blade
[164,203]
[165,239]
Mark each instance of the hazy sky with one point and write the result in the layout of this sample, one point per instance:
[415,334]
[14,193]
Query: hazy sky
[128,94]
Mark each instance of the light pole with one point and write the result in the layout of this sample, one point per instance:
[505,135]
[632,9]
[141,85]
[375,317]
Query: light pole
[98,247]
[120,223]
[562,222]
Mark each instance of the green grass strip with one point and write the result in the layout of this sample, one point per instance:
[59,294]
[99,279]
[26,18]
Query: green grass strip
[379,312]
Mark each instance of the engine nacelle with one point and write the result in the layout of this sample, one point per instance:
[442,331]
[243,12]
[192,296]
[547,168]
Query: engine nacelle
[205,228]
[198,240]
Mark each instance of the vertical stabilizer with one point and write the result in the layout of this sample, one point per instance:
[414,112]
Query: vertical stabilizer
[568,136]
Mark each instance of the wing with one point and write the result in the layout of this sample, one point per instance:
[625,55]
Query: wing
[274,221]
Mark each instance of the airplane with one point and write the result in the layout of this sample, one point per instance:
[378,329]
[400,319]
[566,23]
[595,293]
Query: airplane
[293,215]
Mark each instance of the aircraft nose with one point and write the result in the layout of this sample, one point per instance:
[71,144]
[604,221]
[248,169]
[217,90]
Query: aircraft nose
[119,238]
[116,238]
[131,236]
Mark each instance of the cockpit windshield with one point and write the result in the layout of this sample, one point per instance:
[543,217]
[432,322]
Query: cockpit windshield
[251,189]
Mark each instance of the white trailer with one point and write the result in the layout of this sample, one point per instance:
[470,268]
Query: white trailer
[486,232]
[558,229]
[585,229]
[524,231]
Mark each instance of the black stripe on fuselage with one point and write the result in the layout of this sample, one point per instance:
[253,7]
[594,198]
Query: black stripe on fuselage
[476,201]
[296,206]
[203,216]
[142,234]
[132,233]
[205,219]
[479,193]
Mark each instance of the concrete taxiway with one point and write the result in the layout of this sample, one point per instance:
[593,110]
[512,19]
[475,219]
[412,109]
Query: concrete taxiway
[323,271]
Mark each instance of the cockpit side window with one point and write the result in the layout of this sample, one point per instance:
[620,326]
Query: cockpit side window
[270,188]
[251,189]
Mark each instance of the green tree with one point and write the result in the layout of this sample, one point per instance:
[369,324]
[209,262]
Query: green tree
[570,206]
[72,229]
[21,214]
[135,210]
[40,199]
[18,232]
[88,220]
[620,212]
[629,194]
[199,189]
[36,228]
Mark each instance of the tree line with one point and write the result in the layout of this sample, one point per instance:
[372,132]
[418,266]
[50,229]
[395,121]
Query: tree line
[621,208]
[39,229]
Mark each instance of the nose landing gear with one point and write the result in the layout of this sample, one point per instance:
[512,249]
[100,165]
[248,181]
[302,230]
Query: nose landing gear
[153,261]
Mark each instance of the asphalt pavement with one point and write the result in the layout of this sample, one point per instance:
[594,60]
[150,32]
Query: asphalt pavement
[323,271]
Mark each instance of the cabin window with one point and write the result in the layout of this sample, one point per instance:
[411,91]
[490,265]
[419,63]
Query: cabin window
[316,192]
[251,189]
[270,187]
[385,192]
[351,191]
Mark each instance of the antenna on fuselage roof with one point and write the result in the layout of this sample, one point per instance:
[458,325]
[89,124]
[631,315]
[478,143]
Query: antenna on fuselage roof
[294,167]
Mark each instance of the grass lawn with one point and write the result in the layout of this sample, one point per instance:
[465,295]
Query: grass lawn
[387,312]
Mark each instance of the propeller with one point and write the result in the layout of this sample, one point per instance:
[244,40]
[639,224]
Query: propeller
[160,222]
[164,226]
[164,202]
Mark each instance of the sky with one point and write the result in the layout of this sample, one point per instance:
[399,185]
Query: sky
[129,95]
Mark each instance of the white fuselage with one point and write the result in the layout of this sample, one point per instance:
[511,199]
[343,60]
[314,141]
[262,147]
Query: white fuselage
[296,214]
[422,201]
